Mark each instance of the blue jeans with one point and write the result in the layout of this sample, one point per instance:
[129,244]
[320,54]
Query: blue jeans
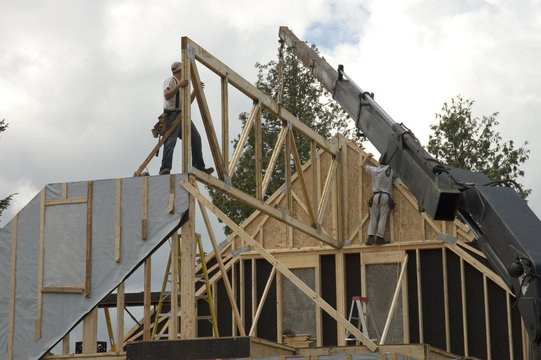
[169,145]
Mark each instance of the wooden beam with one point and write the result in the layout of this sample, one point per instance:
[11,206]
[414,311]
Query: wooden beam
[242,139]
[120,317]
[146,299]
[262,302]
[394,301]
[171,203]
[187,273]
[186,114]
[340,296]
[173,322]
[280,267]
[300,174]
[90,332]
[258,149]
[81,200]
[63,289]
[225,122]
[327,190]
[274,157]
[265,208]
[207,120]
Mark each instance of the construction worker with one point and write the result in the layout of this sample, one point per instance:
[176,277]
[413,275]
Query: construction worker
[381,202]
[172,106]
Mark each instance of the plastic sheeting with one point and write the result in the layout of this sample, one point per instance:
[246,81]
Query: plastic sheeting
[64,256]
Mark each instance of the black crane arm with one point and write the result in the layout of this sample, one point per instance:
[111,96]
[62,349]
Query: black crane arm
[507,230]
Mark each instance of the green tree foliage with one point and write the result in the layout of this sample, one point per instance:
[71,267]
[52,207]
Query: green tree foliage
[473,143]
[4,203]
[304,97]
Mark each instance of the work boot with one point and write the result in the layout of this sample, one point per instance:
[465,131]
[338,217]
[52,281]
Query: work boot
[209,170]
[165,171]
[381,241]
[370,240]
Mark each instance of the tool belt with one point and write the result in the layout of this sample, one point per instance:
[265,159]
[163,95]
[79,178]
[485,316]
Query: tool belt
[390,200]
[160,127]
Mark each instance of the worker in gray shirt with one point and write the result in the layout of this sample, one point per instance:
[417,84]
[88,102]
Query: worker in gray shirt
[381,202]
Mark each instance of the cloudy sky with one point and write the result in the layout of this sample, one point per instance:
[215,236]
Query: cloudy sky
[81,81]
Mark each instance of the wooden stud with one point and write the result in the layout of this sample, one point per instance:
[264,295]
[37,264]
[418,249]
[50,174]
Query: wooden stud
[446,300]
[242,289]
[262,302]
[254,290]
[66,344]
[405,313]
[171,203]
[12,287]
[173,325]
[207,120]
[81,200]
[187,273]
[340,296]
[274,157]
[146,299]
[300,174]
[242,139]
[289,198]
[186,114]
[509,325]
[118,219]
[319,329]
[327,189]
[394,300]
[39,300]
[279,308]
[419,295]
[225,122]
[63,289]
[234,292]
[464,307]
[258,148]
[144,209]
[90,332]
[88,277]
[487,317]
[120,317]
[64,191]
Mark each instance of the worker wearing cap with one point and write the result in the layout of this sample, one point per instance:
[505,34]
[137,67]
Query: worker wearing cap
[172,106]
[381,202]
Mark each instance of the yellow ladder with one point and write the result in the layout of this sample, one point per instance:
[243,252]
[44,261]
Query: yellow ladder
[163,294]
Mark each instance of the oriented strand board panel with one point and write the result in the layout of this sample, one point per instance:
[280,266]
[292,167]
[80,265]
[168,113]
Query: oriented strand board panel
[65,241]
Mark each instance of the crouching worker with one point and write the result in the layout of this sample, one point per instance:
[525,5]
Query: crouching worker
[381,202]
[172,106]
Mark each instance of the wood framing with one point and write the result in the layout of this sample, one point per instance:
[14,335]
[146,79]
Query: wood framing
[296,262]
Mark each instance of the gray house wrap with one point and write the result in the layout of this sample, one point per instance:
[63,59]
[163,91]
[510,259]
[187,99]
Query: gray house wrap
[59,225]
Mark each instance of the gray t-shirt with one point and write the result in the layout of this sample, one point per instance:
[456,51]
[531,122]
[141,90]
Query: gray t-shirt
[382,180]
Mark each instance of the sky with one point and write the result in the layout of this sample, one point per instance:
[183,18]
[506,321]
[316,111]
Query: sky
[81,80]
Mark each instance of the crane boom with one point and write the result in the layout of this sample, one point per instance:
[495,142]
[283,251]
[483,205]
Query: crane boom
[507,230]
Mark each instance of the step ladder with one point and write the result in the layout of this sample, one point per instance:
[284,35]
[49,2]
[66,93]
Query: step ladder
[361,321]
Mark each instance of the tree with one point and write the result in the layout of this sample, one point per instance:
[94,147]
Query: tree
[4,203]
[304,97]
[472,143]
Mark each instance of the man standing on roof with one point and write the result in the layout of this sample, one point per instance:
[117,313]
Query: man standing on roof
[381,202]
[172,106]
